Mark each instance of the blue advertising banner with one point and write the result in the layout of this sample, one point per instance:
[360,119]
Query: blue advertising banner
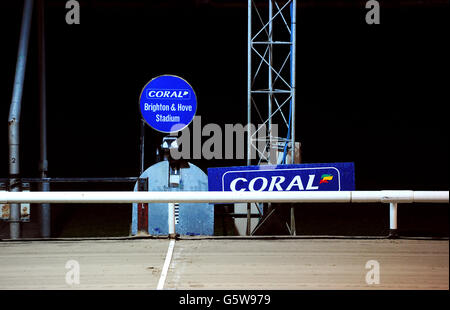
[168,103]
[297,177]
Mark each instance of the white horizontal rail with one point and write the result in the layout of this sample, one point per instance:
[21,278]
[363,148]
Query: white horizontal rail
[399,196]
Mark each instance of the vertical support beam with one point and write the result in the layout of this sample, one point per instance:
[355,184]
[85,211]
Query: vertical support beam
[45,211]
[293,9]
[270,82]
[249,220]
[293,226]
[171,220]
[14,117]
[142,220]
[393,220]
[174,182]
[249,81]
[268,142]
[141,146]
[249,100]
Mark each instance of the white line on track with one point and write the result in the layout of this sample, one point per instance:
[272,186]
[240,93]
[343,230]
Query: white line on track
[162,278]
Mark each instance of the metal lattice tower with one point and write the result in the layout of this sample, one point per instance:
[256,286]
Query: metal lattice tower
[271,79]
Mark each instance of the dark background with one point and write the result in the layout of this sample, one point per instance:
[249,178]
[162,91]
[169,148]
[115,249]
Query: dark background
[371,94]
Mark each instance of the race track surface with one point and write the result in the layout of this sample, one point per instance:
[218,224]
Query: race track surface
[291,264]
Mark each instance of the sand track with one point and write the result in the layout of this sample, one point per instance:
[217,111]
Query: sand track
[226,264]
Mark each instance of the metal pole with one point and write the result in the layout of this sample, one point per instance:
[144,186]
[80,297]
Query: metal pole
[143,208]
[293,72]
[293,8]
[270,160]
[171,219]
[249,99]
[43,164]
[173,185]
[14,118]
[249,80]
[393,219]
[270,81]
[141,147]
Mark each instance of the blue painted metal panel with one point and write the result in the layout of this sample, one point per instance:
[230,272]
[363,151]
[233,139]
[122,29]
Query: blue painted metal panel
[193,218]
[297,177]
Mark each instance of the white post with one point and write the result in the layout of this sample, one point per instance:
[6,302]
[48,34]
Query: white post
[393,219]
[171,219]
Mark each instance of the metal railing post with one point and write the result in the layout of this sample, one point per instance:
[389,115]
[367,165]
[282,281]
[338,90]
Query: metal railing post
[14,118]
[43,164]
[393,220]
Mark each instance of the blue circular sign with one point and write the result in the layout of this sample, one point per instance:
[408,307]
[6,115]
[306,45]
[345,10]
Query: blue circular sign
[168,103]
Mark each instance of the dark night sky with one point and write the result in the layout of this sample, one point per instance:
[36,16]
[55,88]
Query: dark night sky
[374,95]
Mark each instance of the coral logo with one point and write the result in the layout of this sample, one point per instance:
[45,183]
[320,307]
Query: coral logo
[168,94]
[325,178]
